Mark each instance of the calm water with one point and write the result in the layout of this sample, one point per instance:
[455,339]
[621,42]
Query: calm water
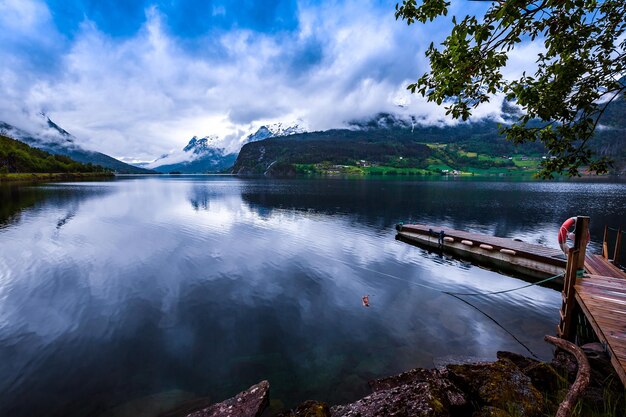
[145,292]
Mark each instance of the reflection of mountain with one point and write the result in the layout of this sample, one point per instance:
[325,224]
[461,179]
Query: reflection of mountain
[16,199]
[502,209]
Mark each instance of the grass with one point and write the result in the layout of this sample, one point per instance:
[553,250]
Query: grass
[53,176]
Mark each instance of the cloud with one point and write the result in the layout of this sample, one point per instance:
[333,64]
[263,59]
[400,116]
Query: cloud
[146,93]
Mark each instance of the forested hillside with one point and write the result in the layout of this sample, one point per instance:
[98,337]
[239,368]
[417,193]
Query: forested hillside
[17,157]
[388,146]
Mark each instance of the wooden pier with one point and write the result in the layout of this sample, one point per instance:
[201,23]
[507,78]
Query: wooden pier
[503,254]
[592,285]
[597,289]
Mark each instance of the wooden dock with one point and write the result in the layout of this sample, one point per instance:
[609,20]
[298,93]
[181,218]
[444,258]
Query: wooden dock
[503,254]
[595,287]
[601,296]
[592,284]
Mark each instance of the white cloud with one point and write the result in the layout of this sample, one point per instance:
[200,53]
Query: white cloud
[143,96]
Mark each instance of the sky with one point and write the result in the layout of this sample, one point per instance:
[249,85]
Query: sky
[138,78]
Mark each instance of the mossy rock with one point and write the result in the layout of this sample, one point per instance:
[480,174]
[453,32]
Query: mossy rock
[410,400]
[501,385]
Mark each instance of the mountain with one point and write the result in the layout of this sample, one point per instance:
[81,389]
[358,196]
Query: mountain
[57,141]
[205,155]
[18,157]
[390,144]
[275,130]
[200,155]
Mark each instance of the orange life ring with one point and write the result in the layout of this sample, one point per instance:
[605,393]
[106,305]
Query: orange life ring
[564,234]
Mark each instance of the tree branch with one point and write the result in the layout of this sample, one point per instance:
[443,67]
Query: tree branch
[582,377]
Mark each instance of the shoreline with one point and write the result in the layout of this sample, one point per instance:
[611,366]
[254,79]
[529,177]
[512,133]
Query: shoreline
[513,385]
[52,176]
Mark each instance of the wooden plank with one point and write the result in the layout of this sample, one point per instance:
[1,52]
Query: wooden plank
[528,250]
[601,286]
[597,265]
[611,296]
[603,298]
[616,360]
[600,278]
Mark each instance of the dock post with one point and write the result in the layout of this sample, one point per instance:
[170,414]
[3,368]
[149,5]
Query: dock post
[618,247]
[575,262]
[605,245]
[580,239]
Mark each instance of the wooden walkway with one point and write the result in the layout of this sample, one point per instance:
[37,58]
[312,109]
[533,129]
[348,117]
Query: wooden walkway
[528,250]
[507,255]
[601,295]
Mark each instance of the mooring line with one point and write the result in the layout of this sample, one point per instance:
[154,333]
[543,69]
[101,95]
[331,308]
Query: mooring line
[543,281]
[456,295]
[496,322]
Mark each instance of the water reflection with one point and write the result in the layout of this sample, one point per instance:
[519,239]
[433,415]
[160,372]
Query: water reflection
[162,289]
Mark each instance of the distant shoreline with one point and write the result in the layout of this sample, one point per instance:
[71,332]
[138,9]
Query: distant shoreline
[52,176]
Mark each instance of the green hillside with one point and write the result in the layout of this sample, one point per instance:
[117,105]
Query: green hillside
[388,146]
[18,157]
[476,149]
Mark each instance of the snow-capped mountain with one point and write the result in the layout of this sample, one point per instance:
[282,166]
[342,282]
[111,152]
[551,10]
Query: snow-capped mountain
[200,155]
[275,130]
[50,137]
[202,145]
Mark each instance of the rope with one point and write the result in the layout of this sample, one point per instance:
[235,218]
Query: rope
[495,321]
[456,295]
[505,291]
[543,281]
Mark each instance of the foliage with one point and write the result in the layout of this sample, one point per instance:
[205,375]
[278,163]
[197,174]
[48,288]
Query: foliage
[579,73]
[17,157]
[471,149]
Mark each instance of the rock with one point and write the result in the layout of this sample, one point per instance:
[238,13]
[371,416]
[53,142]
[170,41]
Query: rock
[544,377]
[522,362]
[565,364]
[249,403]
[501,385]
[437,378]
[308,409]
[410,400]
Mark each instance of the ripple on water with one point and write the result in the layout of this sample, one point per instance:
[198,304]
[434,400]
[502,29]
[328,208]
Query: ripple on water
[207,285]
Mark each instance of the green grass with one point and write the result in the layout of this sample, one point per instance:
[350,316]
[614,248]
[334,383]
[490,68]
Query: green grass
[37,176]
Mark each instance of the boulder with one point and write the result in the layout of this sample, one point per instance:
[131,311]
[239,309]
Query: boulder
[451,396]
[410,400]
[249,403]
[499,385]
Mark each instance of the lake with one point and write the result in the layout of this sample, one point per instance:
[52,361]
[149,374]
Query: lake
[145,292]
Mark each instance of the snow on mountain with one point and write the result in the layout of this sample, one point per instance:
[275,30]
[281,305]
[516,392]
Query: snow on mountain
[275,130]
[202,145]
[200,155]
[208,154]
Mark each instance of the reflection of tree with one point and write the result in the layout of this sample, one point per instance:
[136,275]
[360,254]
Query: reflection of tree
[14,200]
[18,198]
